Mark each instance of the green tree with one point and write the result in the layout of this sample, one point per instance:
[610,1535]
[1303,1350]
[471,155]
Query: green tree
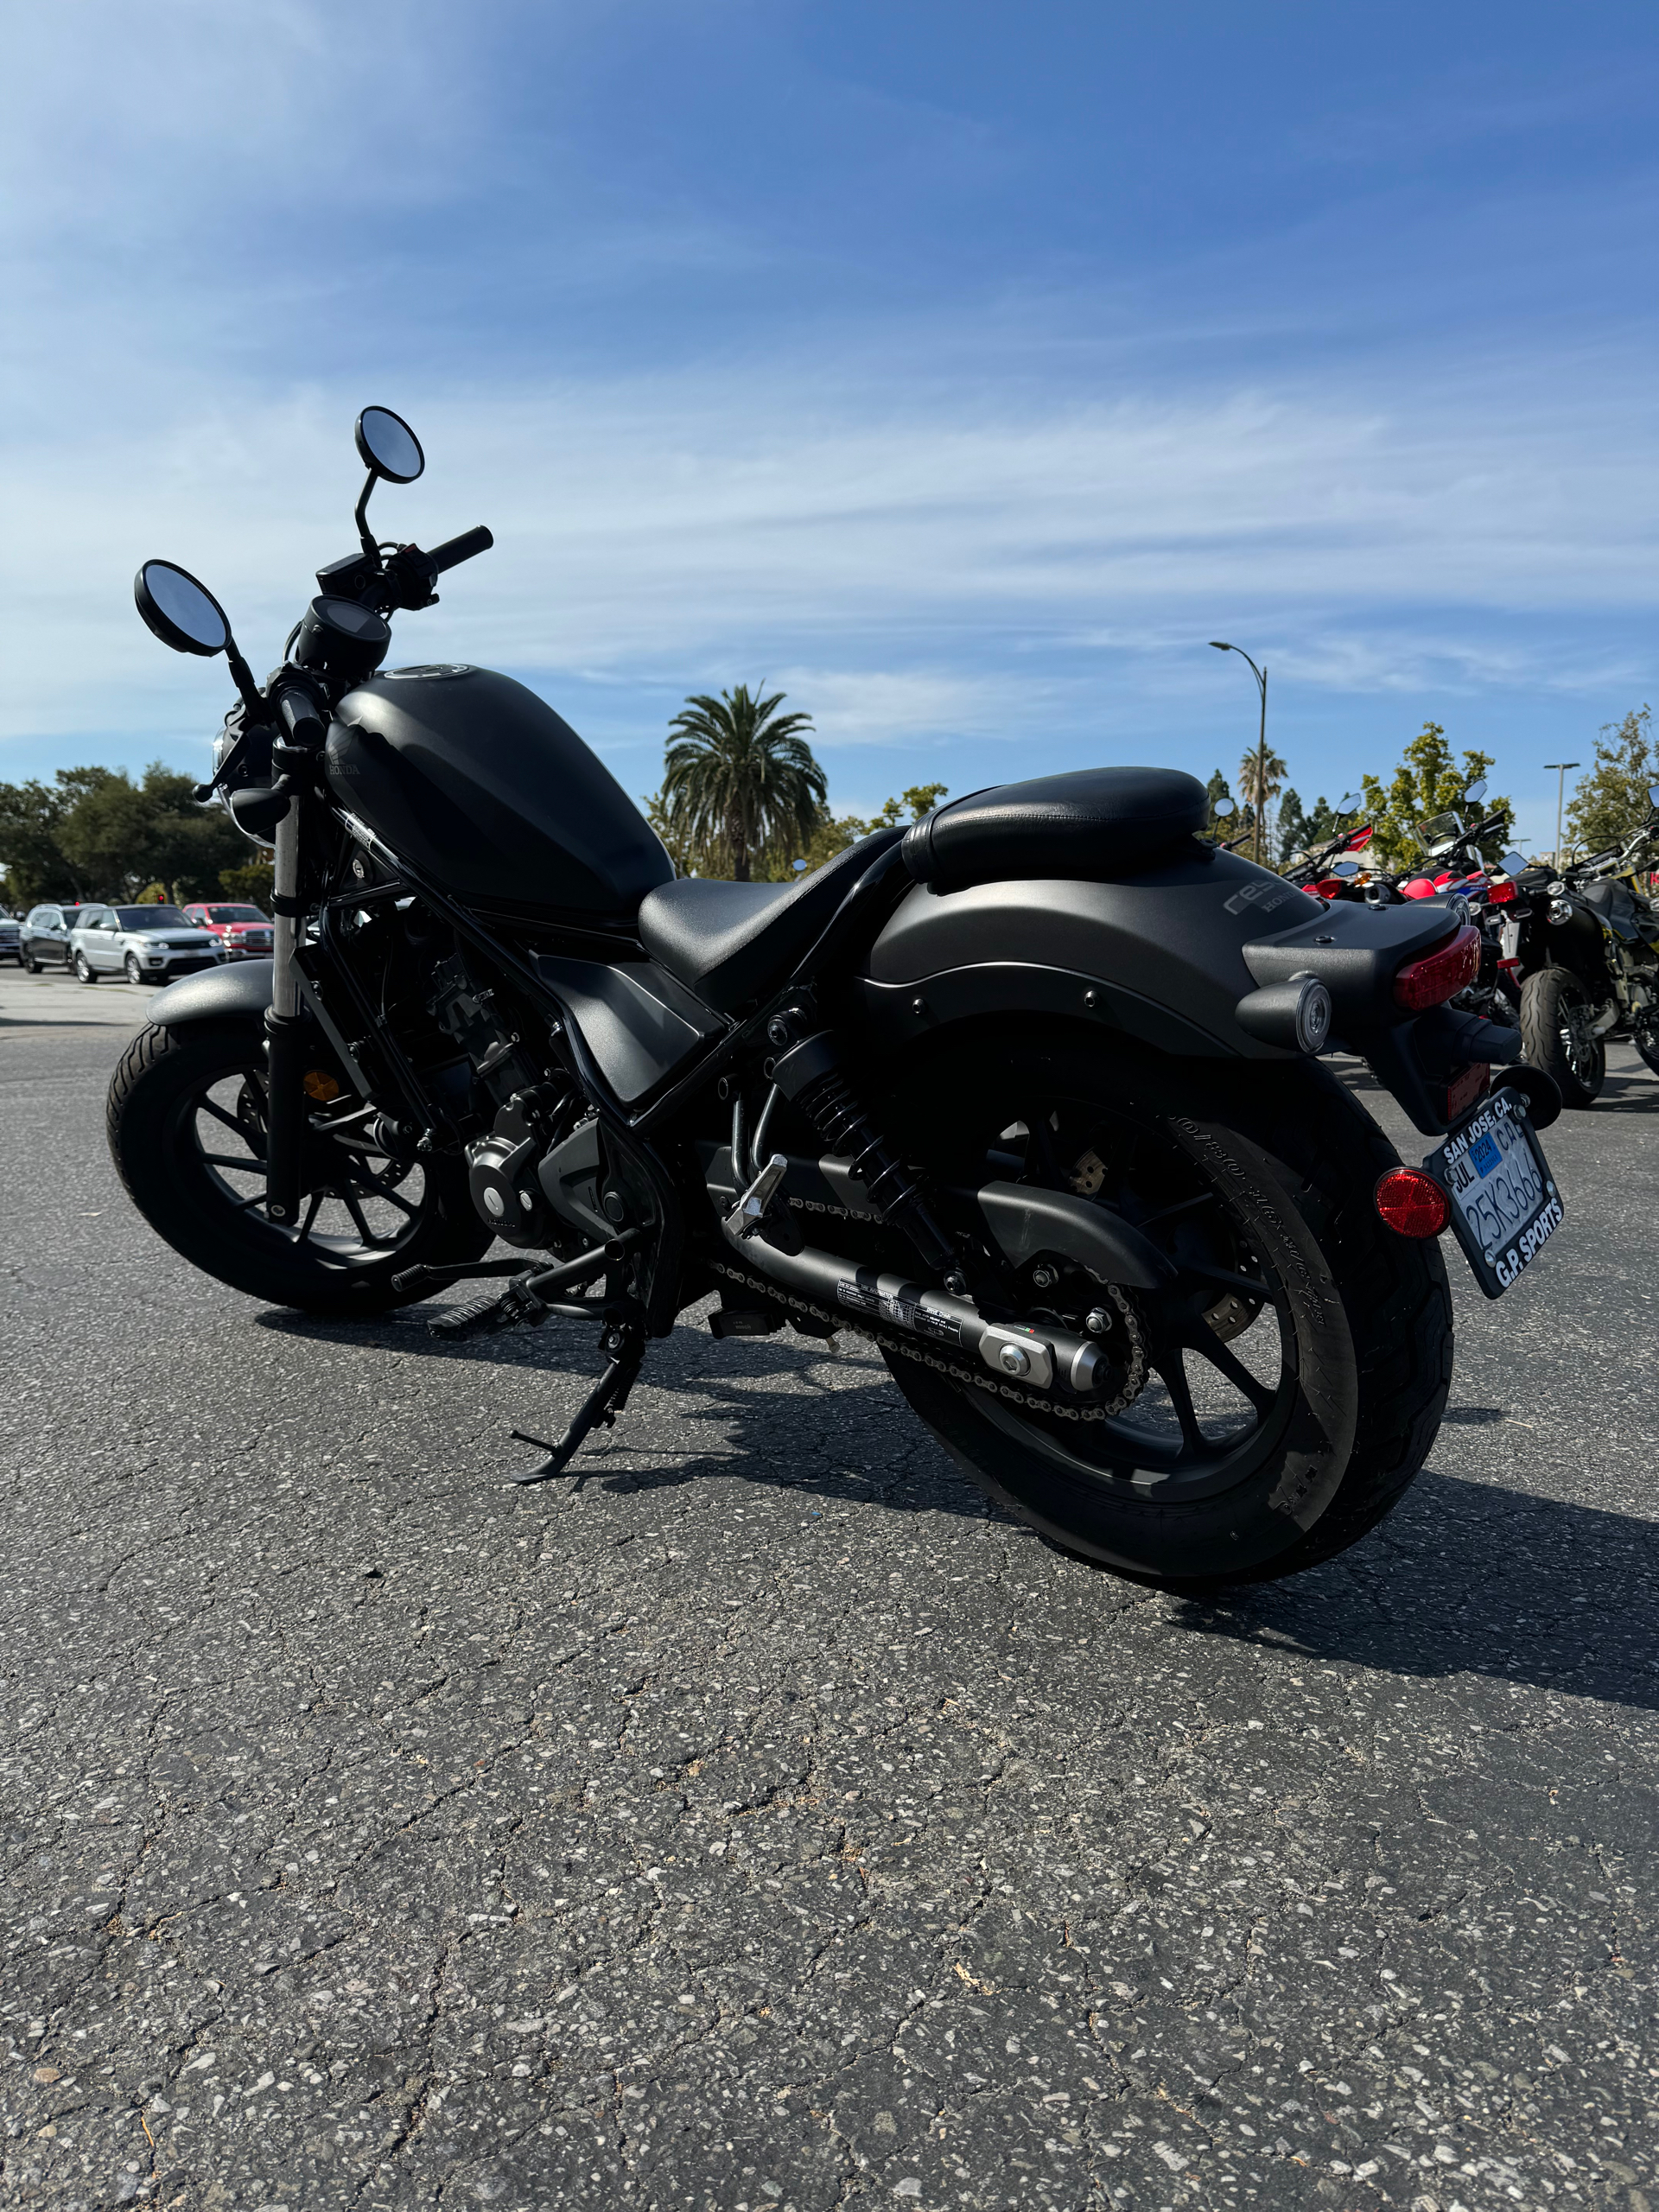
[1428,781]
[253,881]
[835,833]
[741,780]
[31,816]
[119,836]
[1292,828]
[1611,800]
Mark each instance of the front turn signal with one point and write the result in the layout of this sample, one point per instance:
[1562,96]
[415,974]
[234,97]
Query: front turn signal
[1412,1203]
[1440,975]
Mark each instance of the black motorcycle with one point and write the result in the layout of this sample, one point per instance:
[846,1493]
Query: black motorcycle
[1028,1093]
[1585,944]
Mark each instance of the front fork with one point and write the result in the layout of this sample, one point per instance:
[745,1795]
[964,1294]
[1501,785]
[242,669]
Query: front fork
[285,1040]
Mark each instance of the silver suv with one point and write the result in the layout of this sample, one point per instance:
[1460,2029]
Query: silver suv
[148,944]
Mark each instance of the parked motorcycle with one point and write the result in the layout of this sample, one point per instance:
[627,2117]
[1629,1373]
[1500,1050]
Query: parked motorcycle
[1587,943]
[1028,1093]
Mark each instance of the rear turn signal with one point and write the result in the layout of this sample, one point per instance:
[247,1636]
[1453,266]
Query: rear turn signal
[1411,1203]
[1440,975]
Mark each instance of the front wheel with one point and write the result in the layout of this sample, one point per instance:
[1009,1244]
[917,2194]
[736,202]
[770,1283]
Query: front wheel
[1272,1403]
[187,1128]
[85,972]
[28,963]
[1558,1028]
[135,973]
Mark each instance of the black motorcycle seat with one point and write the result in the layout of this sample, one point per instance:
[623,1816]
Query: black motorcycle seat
[1092,823]
[1613,900]
[730,942]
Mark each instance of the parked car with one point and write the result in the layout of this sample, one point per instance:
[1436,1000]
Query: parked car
[43,939]
[244,931]
[148,944]
[11,940]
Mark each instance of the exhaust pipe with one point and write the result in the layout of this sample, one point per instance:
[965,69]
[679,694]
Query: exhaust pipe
[1044,1359]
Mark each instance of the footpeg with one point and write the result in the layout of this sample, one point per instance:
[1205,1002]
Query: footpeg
[517,1307]
[748,1216]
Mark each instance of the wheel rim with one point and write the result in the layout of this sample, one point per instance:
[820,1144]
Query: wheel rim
[361,1205]
[1220,1345]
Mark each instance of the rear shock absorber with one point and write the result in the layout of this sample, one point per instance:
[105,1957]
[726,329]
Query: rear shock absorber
[808,1072]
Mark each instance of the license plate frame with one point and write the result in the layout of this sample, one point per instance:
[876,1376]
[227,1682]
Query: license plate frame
[1481,1165]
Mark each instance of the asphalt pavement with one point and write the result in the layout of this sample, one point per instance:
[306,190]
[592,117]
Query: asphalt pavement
[768,1824]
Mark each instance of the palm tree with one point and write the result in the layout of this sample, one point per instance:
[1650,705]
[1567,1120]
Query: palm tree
[742,778]
[1261,779]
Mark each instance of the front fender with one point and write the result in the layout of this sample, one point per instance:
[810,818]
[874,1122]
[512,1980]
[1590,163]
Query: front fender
[229,994]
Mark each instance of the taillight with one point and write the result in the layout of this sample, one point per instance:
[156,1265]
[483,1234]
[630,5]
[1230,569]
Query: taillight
[1440,975]
[1411,1203]
[1501,893]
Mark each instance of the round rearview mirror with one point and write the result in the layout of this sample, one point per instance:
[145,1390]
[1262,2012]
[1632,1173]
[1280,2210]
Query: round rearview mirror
[1344,868]
[1512,863]
[388,446]
[1348,803]
[1223,810]
[178,610]
[1476,792]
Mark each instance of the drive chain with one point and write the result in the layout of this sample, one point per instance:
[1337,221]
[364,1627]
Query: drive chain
[1134,1377]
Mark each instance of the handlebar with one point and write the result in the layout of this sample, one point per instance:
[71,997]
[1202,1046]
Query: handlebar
[454,550]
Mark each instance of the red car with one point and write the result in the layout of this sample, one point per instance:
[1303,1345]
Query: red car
[244,931]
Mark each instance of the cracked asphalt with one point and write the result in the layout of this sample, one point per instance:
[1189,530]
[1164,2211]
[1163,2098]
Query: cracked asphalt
[768,1826]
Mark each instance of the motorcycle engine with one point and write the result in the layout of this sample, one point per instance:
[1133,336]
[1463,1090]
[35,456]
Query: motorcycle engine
[501,1174]
[526,1110]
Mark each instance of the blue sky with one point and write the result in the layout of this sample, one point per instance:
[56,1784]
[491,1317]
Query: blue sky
[960,369]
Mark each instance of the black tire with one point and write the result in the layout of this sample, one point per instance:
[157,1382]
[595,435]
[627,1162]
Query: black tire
[28,963]
[85,971]
[135,973]
[1555,1016]
[1645,1035]
[207,1205]
[1272,1170]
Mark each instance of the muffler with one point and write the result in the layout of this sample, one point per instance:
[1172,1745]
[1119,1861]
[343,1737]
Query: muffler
[1042,1359]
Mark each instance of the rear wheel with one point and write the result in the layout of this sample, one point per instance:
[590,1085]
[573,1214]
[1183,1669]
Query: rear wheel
[1558,1029]
[1278,1398]
[187,1128]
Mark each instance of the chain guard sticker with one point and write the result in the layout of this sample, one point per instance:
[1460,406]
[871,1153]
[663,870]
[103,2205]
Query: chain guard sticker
[903,1313]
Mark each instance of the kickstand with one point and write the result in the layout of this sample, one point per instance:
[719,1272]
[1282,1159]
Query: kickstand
[626,1347]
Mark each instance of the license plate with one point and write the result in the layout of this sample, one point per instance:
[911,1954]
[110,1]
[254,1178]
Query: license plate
[1505,1206]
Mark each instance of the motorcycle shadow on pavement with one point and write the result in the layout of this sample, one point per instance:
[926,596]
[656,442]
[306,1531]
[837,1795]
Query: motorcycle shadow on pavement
[762,1411]
[1468,1578]
[1464,1578]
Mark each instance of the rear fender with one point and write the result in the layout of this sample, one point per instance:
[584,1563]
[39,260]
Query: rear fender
[1165,956]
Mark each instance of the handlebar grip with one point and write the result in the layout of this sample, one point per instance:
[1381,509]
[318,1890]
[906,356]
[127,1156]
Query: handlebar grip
[454,550]
[299,717]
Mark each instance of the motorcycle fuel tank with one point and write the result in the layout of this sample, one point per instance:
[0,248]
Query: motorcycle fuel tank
[478,783]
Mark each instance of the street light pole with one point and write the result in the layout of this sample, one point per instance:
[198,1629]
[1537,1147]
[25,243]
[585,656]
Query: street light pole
[1560,796]
[1261,676]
